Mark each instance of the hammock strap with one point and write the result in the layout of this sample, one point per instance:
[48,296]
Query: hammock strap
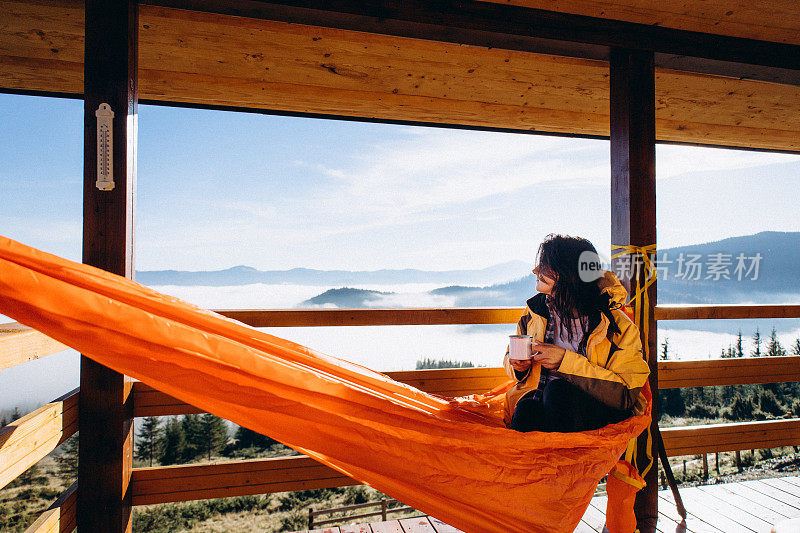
[640,302]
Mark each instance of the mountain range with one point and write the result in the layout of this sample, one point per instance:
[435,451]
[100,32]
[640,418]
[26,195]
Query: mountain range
[772,258]
[770,261]
[245,275]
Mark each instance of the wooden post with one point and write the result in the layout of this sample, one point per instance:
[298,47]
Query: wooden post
[738,461]
[705,466]
[105,419]
[633,212]
[716,462]
[383,509]
[310,518]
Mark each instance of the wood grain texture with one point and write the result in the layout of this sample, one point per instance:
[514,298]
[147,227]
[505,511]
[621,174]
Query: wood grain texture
[20,344]
[730,437]
[705,312]
[416,525]
[105,437]
[747,370]
[215,60]
[633,221]
[27,440]
[464,381]
[450,382]
[372,317]
[769,20]
[193,482]
[386,527]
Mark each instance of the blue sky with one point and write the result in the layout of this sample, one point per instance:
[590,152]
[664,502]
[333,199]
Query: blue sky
[218,189]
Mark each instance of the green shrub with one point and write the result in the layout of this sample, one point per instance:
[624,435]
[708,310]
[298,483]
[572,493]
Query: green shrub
[769,403]
[176,516]
[28,494]
[356,495]
[294,521]
[795,410]
[702,411]
[741,409]
[49,494]
[289,501]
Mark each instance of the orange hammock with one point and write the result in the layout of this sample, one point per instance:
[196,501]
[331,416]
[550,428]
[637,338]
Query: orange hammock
[450,458]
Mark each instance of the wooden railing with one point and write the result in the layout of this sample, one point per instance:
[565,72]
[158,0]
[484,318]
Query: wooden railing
[26,441]
[60,516]
[20,344]
[384,507]
[30,438]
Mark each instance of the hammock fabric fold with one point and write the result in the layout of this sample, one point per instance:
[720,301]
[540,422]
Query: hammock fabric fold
[450,458]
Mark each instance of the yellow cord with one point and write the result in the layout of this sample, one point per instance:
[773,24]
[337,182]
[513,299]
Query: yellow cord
[641,317]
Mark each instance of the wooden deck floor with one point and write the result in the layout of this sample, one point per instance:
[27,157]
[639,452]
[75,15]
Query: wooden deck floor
[749,506]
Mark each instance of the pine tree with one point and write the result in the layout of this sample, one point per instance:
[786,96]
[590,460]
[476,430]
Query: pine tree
[665,349]
[739,350]
[796,347]
[150,439]
[16,415]
[194,437]
[174,444]
[214,434]
[774,348]
[247,438]
[3,422]
[68,460]
[729,353]
[756,344]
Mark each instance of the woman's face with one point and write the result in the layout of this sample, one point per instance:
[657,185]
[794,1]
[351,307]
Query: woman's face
[544,283]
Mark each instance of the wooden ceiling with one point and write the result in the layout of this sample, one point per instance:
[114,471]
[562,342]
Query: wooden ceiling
[767,20]
[219,60]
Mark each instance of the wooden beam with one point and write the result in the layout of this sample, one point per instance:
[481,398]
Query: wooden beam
[633,216]
[26,441]
[446,382]
[60,516]
[463,381]
[705,312]
[261,476]
[514,27]
[240,478]
[731,437]
[20,344]
[372,317]
[296,70]
[770,20]
[106,428]
[714,372]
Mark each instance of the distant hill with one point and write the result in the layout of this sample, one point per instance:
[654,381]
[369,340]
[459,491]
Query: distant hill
[244,275]
[344,297]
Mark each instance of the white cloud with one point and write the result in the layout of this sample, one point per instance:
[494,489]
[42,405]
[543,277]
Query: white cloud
[673,160]
[435,168]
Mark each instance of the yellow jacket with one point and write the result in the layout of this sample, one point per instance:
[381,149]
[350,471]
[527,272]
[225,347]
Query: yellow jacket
[613,370]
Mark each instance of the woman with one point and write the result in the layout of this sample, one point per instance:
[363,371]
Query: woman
[586,368]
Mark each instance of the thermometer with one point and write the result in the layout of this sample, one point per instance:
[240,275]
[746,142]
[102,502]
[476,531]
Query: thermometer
[105,147]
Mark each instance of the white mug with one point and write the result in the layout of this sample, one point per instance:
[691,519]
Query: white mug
[519,347]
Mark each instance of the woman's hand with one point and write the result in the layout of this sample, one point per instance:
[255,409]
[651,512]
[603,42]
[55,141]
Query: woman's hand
[520,365]
[549,355]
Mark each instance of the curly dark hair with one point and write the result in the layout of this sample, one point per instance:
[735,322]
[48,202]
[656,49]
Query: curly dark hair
[573,297]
